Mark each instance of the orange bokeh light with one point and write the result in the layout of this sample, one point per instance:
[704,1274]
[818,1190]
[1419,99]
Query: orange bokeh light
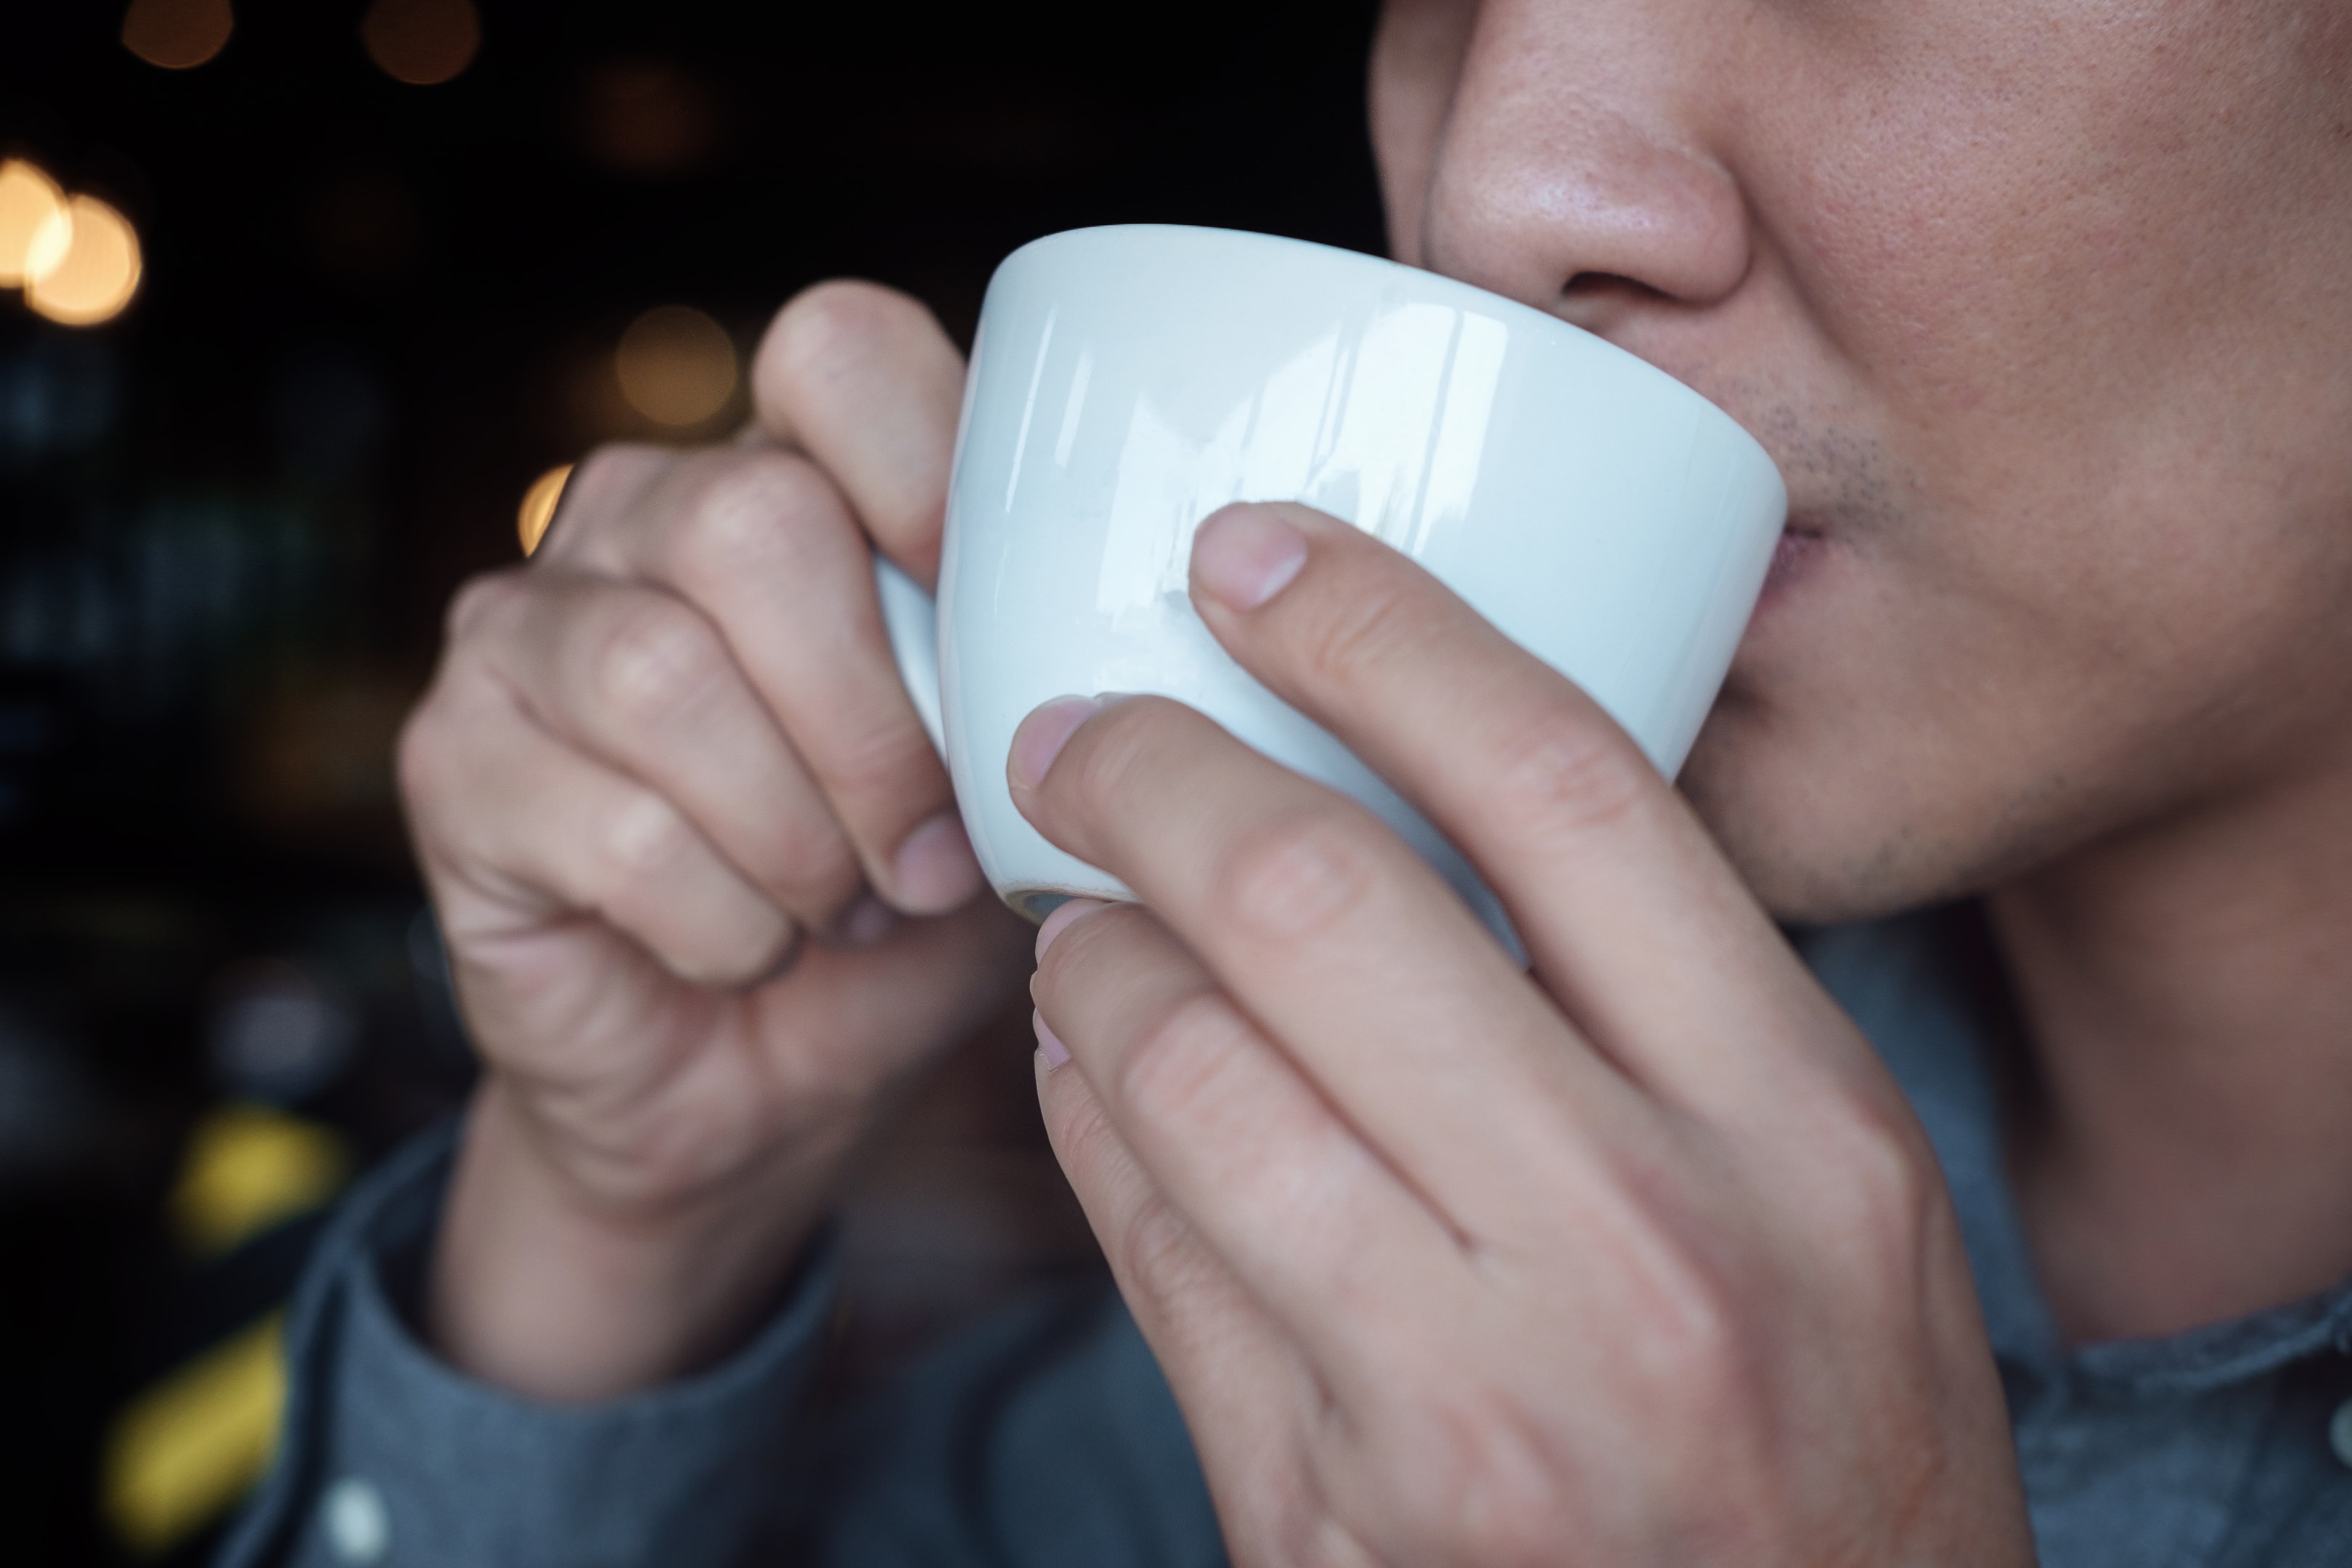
[422,42]
[31,244]
[177,35]
[539,504]
[676,365]
[98,266]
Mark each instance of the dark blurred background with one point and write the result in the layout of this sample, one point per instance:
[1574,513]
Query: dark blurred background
[298,298]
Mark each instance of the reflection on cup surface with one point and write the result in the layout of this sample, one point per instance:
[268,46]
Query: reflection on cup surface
[1127,382]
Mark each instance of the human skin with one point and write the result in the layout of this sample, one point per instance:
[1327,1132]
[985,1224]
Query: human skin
[706,900]
[2041,311]
[2038,306]
[1635,1257]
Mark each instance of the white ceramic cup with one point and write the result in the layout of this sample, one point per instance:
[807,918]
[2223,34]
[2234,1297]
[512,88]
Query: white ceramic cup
[1127,382]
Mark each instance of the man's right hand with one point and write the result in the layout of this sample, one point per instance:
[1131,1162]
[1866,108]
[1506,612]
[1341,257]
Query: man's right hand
[706,896]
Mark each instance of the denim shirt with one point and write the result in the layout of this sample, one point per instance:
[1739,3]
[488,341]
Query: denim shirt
[1047,1439]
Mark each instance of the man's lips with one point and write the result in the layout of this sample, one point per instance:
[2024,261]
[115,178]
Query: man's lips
[1799,550]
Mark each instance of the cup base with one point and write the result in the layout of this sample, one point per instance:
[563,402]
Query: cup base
[1036,900]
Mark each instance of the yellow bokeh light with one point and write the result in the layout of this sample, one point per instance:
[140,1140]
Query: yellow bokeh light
[177,35]
[31,244]
[182,1453]
[98,270]
[422,42]
[676,366]
[539,504]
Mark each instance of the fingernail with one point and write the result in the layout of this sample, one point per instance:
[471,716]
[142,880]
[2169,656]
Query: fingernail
[935,869]
[869,920]
[1049,1043]
[1065,914]
[1043,735]
[1244,555]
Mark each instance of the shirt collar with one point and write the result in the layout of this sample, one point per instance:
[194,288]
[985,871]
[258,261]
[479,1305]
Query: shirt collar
[1912,985]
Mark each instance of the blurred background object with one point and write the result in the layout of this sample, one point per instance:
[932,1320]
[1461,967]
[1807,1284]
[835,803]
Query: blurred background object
[305,308]
[677,367]
[32,242]
[420,42]
[539,504]
[177,35]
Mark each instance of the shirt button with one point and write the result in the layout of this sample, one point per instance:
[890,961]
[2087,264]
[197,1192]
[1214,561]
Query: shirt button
[2339,1432]
[358,1528]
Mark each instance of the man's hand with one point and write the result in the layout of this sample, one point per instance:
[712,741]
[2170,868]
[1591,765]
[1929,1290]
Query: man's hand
[706,894]
[1639,1258]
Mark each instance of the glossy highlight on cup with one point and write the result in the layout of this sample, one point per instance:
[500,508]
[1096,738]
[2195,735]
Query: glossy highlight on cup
[1127,382]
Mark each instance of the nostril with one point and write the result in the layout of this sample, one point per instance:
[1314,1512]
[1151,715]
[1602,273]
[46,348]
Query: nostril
[1602,285]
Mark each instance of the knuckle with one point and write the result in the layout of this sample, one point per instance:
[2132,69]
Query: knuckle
[816,873]
[482,601]
[1486,1489]
[1567,774]
[1888,1184]
[1081,1136]
[659,658]
[1297,875]
[1693,1358]
[1176,1073]
[1690,1345]
[754,510]
[749,950]
[1306,1525]
[1355,635]
[883,776]
[1308,1535]
[1163,1259]
[610,471]
[1113,750]
[876,755]
[603,486]
[1682,1289]
[643,839]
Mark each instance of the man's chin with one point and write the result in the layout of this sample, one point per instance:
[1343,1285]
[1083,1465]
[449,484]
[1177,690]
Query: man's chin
[1810,854]
[1797,888]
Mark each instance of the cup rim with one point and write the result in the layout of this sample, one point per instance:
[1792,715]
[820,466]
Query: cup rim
[1451,289]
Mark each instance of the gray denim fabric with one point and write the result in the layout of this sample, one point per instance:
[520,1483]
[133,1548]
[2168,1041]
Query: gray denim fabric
[2211,1448]
[1047,1439]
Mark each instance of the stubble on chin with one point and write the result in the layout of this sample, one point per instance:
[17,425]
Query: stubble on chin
[1817,787]
[1825,827]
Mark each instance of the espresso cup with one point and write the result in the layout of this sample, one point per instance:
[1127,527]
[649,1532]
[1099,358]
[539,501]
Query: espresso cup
[1125,382]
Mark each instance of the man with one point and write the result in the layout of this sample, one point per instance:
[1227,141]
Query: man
[1638,1256]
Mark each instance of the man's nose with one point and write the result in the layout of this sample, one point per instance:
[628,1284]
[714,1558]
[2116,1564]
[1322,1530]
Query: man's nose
[1574,171]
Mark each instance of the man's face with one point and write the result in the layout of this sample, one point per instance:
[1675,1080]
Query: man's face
[2043,306]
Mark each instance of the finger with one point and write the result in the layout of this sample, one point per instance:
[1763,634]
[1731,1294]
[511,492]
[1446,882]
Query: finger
[854,1018]
[642,681]
[863,379]
[608,483]
[1348,949]
[762,542]
[1633,918]
[547,831]
[1254,1407]
[1311,1221]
